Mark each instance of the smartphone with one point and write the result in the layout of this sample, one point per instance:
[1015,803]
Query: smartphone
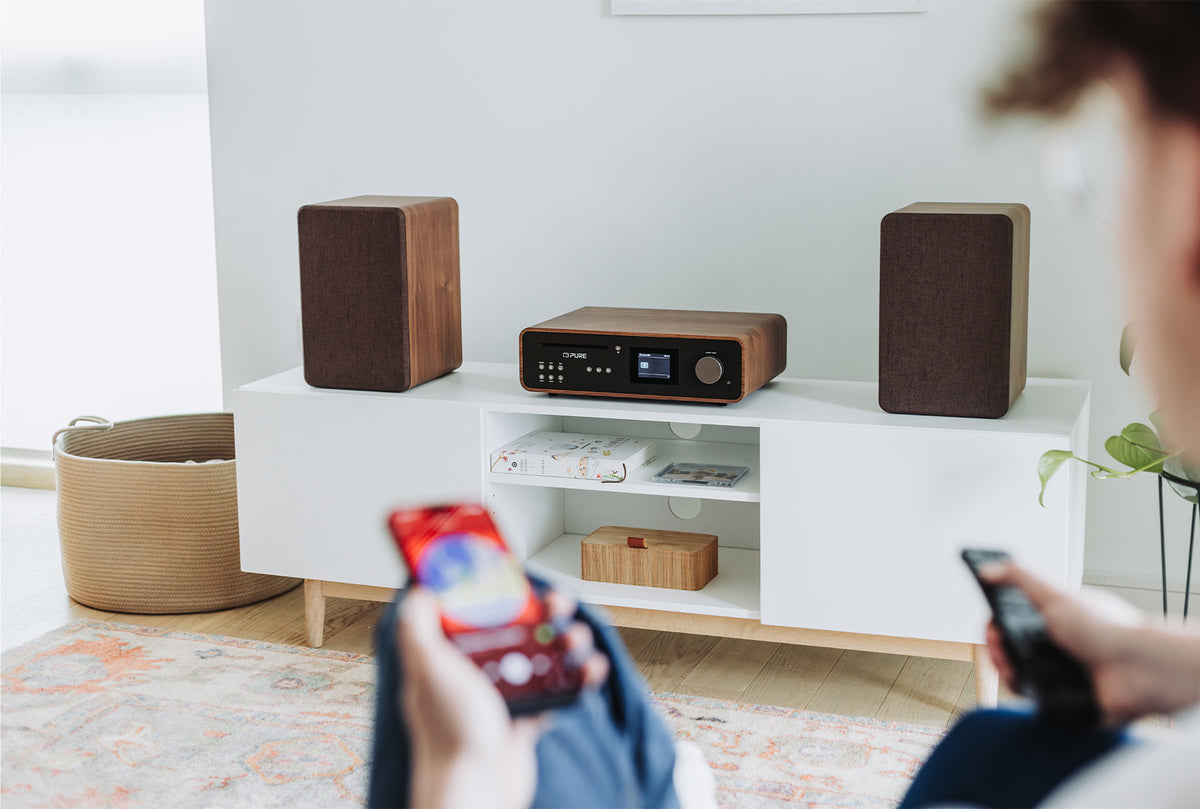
[488,606]
[1059,684]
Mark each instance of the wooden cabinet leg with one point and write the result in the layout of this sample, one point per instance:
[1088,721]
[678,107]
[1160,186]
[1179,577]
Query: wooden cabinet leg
[987,679]
[314,612]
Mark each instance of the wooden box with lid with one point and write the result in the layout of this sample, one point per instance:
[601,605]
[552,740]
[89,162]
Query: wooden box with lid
[649,557]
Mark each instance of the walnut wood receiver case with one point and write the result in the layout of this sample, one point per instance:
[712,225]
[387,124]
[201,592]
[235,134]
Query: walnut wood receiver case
[654,354]
[953,308]
[379,291]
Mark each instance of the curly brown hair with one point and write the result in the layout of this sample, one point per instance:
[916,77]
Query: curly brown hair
[1079,42]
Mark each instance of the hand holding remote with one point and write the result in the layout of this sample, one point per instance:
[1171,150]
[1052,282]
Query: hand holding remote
[1136,667]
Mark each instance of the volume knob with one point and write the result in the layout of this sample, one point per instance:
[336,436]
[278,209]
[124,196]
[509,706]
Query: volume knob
[709,369]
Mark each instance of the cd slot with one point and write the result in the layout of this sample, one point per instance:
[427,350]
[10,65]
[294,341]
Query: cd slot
[575,346]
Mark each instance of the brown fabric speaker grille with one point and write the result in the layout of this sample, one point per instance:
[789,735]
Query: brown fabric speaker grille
[354,297]
[948,313]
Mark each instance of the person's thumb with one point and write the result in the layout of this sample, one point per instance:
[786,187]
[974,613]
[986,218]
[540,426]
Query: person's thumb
[420,624]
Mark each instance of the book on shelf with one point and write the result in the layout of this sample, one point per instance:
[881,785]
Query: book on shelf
[605,458]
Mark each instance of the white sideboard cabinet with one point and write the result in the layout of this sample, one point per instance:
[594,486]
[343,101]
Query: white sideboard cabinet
[845,533]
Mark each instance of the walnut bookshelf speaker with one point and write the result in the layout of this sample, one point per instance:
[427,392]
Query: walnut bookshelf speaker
[953,308]
[379,291]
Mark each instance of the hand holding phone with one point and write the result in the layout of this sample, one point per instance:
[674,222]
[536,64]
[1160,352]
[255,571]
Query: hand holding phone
[1057,681]
[488,607]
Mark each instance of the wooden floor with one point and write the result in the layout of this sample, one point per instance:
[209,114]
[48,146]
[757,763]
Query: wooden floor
[918,690]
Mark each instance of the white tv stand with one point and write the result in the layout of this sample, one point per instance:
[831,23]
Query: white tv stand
[845,533]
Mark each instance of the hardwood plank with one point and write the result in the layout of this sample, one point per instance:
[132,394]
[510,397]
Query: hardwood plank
[358,636]
[635,639]
[251,621]
[350,625]
[34,583]
[792,676]
[669,657]
[41,613]
[857,684]
[26,469]
[728,668]
[926,692]
[965,701]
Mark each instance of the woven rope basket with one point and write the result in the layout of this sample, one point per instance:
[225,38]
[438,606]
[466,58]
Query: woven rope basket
[144,531]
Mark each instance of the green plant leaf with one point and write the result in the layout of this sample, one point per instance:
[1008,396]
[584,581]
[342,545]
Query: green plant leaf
[1136,457]
[1141,435]
[1128,344]
[1048,464]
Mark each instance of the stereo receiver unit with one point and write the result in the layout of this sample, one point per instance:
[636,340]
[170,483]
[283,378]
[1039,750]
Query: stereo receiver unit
[654,354]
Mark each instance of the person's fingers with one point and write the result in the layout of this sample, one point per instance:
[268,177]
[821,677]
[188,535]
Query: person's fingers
[1000,659]
[582,654]
[594,670]
[579,642]
[1001,573]
[560,605]
[418,616]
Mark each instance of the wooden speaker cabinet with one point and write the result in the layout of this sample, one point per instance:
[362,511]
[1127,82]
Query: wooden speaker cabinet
[953,308]
[379,291]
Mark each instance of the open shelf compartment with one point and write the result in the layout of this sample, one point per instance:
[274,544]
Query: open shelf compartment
[734,592]
[728,446]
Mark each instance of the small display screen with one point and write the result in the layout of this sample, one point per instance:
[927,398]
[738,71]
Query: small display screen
[654,366]
[658,365]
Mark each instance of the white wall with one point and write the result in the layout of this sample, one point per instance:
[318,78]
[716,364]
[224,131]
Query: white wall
[738,163]
[109,280]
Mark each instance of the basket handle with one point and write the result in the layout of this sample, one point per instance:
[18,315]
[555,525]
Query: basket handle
[97,423]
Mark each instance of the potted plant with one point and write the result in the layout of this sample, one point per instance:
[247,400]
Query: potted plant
[1140,447]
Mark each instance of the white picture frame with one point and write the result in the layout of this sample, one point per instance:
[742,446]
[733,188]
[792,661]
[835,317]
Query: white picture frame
[730,7]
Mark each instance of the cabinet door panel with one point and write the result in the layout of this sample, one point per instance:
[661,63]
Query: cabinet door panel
[862,525]
[316,479]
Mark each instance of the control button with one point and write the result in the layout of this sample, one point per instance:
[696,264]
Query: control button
[541,366]
[608,370]
[709,369]
[516,668]
[542,377]
[560,366]
[589,369]
[541,665]
[560,377]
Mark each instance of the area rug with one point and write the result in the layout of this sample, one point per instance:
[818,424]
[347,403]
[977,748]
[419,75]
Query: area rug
[766,756]
[114,715]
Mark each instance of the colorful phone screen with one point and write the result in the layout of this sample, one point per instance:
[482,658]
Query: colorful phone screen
[488,607]
[478,584]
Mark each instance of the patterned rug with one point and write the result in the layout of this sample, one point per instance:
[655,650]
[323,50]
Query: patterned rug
[765,756]
[123,716]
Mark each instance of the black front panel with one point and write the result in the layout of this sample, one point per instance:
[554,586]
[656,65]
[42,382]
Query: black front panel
[651,367]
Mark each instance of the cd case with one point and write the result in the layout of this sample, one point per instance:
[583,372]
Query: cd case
[703,474]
